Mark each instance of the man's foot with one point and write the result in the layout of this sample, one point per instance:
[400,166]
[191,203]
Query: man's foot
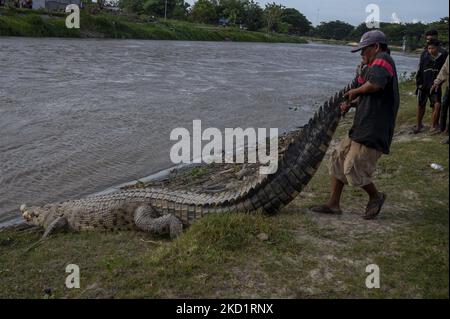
[434,131]
[445,141]
[417,129]
[325,209]
[374,207]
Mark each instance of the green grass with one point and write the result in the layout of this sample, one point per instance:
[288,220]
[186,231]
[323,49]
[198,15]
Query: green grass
[33,25]
[40,24]
[306,255]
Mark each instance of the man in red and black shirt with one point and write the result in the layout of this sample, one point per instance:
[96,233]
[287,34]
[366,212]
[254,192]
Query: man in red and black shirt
[354,160]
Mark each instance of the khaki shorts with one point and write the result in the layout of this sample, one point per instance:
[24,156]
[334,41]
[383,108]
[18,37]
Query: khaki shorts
[353,163]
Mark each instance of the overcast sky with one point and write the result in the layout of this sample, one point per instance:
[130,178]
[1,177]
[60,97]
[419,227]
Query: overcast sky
[354,11]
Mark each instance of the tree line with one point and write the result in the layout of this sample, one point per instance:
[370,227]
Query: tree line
[412,34]
[273,17]
[247,14]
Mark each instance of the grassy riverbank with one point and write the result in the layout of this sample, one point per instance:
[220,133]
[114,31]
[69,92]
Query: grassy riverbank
[305,256]
[40,24]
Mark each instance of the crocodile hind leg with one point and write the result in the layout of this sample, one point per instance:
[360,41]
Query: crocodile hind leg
[147,219]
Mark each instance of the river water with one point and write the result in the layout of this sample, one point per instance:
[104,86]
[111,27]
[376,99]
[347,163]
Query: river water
[77,116]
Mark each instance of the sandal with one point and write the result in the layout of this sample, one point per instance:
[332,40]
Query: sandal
[324,209]
[374,207]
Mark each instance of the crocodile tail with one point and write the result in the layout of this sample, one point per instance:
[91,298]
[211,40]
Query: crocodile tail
[301,159]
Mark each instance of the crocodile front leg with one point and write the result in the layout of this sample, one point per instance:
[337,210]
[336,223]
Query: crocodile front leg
[147,219]
[59,223]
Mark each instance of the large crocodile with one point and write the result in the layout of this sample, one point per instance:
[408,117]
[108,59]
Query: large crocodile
[165,211]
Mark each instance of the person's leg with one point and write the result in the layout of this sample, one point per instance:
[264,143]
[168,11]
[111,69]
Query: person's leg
[446,140]
[372,191]
[422,98]
[420,115]
[435,117]
[444,112]
[376,201]
[359,172]
[338,180]
[448,120]
[336,192]
[333,205]
[435,99]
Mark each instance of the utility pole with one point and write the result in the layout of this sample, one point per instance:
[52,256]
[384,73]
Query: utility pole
[165,11]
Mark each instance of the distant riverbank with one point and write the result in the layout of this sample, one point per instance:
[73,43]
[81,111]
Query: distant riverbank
[350,43]
[30,23]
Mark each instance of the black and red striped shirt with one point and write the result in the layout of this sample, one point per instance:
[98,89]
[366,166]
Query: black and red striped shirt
[376,113]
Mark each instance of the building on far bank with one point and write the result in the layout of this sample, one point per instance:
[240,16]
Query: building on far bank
[54,4]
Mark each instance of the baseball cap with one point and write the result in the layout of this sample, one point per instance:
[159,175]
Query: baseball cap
[369,38]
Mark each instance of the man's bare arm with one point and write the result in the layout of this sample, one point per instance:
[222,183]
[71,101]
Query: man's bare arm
[363,89]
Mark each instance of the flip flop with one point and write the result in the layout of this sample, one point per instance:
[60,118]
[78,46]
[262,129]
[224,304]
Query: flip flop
[374,207]
[324,209]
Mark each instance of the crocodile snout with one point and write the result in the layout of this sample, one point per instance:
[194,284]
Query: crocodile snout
[26,214]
